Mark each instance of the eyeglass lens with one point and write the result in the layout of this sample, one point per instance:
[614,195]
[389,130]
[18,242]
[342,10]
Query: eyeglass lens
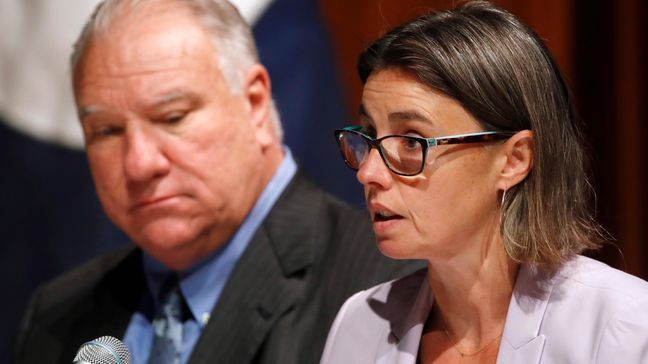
[402,155]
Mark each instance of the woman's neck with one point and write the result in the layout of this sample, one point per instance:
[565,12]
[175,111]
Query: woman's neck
[471,294]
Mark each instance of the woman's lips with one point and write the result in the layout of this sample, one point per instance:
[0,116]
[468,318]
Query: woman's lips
[383,216]
[383,219]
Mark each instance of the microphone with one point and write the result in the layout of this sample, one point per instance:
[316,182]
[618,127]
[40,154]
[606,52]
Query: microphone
[103,350]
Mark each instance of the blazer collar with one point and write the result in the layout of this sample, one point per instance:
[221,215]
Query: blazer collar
[398,294]
[522,341]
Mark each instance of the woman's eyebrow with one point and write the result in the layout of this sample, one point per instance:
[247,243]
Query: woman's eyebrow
[399,116]
[407,115]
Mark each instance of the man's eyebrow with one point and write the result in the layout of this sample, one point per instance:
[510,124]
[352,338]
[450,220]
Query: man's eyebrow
[88,110]
[172,97]
[158,101]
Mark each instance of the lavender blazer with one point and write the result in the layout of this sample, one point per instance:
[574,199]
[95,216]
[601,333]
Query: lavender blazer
[585,312]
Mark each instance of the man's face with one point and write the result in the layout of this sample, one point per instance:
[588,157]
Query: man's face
[176,157]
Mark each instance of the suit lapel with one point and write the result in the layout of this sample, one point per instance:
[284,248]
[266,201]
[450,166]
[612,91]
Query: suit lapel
[109,310]
[522,341]
[265,283]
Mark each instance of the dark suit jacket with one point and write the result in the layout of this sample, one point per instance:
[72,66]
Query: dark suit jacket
[310,254]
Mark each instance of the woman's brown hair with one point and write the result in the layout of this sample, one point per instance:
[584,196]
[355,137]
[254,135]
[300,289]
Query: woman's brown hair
[502,73]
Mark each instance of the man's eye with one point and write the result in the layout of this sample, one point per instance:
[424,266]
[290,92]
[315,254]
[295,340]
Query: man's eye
[174,118]
[107,131]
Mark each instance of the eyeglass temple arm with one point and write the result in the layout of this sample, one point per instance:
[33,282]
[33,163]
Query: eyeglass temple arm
[469,138]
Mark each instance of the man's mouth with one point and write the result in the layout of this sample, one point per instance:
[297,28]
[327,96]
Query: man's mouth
[151,202]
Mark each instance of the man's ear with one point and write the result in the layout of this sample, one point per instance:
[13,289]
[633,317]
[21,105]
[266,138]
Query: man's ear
[258,95]
[518,159]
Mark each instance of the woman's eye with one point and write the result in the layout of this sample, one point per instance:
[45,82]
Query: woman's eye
[411,143]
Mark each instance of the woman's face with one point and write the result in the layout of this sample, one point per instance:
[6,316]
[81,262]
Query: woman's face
[452,206]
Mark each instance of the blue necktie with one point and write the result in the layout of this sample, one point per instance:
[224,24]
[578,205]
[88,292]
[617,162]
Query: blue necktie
[167,325]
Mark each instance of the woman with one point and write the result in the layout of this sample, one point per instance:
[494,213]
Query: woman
[471,159]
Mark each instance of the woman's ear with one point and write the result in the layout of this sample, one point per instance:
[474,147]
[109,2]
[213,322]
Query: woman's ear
[518,154]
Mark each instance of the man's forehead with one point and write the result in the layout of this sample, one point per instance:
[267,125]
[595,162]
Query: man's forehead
[147,49]
[165,34]
[149,27]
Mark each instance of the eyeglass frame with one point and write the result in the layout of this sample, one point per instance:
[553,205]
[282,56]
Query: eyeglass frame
[426,143]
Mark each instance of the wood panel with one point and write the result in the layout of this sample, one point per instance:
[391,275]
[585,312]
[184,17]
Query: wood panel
[631,202]
[354,25]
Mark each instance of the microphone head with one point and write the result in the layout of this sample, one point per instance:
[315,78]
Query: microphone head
[103,350]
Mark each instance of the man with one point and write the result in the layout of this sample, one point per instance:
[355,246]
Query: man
[239,258]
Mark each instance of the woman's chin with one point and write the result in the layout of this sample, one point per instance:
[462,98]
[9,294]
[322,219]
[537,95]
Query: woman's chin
[396,250]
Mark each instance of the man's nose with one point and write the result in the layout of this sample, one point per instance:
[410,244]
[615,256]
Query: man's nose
[144,156]
[373,170]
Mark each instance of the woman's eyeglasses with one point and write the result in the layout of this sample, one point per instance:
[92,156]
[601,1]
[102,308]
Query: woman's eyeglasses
[404,155]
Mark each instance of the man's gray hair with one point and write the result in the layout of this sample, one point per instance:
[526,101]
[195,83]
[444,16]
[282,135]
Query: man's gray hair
[231,36]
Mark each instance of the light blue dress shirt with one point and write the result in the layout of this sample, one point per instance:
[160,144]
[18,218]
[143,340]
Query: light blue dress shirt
[202,284]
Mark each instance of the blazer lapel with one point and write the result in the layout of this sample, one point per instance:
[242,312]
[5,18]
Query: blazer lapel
[265,283]
[406,328]
[522,341]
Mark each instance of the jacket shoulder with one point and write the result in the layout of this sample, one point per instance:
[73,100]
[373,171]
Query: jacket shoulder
[605,309]
[367,318]
[597,279]
[56,305]
[79,282]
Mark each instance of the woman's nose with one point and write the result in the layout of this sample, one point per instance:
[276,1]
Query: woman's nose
[373,171]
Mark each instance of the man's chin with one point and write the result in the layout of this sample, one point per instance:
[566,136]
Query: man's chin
[176,255]
[165,240]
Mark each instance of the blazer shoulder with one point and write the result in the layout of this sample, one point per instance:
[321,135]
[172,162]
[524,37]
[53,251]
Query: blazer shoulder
[368,317]
[56,305]
[621,300]
[395,295]
[605,309]
[80,281]
[68,293]
[607,284]
[625,335]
